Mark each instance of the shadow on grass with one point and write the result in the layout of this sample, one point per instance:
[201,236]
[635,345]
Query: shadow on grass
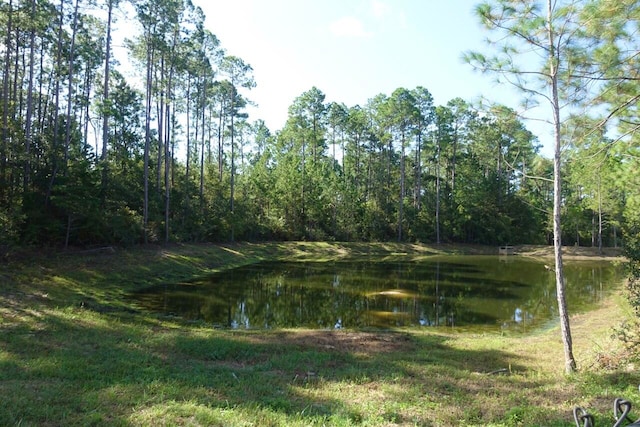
[95,363]
[79,367]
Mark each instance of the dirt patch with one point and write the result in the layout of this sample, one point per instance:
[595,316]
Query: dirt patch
[342,341]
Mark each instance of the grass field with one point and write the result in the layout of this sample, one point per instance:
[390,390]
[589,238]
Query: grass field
[74,351]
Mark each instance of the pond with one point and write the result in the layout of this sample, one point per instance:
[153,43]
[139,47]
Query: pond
[482,293]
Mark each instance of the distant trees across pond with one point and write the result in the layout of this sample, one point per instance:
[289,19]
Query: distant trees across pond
[88,157]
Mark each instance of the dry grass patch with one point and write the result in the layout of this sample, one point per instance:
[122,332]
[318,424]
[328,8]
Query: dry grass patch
[342,341]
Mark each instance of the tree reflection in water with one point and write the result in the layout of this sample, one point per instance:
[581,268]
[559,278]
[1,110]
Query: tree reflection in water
[465,292]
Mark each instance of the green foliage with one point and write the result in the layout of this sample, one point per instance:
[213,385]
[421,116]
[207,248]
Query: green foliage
[629,331]
[398,167]
[11,224]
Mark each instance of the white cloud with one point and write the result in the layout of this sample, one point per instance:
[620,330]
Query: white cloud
[349,27]
[388,15]
[380,10]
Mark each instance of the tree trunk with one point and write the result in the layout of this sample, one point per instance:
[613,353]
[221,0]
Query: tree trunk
[599,217]
[88,81]
[67,133]
[56,116]
[188,135]
[147,139]
[4,144]
[220,138]
[67,234]
[43,99]
[454,155]
[302,193]
[402,184]
[418,175]
[233,165]
[202,137]
[167,138]
[185,214]
[167,168]
[18,79]
[160,114]
[570,363]
[209,135]
[28,119]
[438,190]
[105,100]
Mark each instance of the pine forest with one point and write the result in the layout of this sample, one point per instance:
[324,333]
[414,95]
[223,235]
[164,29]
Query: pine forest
[89,157]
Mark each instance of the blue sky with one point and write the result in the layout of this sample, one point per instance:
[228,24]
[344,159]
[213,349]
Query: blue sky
[353,50]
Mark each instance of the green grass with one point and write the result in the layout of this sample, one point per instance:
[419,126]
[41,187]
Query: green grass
[74,351]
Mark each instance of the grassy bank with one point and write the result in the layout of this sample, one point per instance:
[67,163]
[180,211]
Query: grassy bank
[74,351]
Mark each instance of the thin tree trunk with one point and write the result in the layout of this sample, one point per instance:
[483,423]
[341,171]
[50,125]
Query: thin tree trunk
[333,143]
[28,130]
[56,120]
[16,73]
[233,172]
[454,155]
[344,163]
[43,98]
[303,219]
[167,151]
[202,114]
[402,184]
[185,214]
[56,163]
[570,363]
[209,136]
[88,79]
[147,140]
[4,144]
[357,162]
[160,111]
[67,133]
[188,131]
[167,167]
[438,191]
[172,149]
[105,100]
[368,182]
[389,160]
[196,134]
[418,174]
[315,141]
[220,136]
[67,235]
[599,217]
[593,229]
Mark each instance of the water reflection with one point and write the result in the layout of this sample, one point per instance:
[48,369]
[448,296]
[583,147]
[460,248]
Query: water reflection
[479,292]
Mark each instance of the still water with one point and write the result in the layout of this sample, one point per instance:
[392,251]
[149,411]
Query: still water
[482,293]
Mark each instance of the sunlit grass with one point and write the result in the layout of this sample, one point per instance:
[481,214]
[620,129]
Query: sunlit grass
[73,351]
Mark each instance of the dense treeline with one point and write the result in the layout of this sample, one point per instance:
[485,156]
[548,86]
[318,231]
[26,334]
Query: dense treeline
[88,157]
